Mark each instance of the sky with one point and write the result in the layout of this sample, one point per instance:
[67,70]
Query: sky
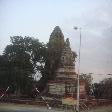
[37,18]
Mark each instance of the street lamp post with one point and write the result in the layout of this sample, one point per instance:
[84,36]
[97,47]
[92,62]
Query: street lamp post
[78,84]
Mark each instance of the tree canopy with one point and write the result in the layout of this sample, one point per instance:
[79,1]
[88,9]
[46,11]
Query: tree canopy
[103,89]
[23,57]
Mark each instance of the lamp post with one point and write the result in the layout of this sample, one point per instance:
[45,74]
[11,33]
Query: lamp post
[78,84]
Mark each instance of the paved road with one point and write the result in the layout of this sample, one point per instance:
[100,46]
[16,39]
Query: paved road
[30,108]
[24,108]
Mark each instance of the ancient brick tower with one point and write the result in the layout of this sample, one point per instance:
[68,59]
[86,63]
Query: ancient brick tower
[66,78]
[65,83]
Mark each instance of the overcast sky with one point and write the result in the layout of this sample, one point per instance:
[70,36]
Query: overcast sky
[37,18]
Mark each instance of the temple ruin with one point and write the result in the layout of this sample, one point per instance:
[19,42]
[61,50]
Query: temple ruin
[65,83]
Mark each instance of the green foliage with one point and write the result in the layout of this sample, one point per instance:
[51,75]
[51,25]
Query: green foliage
[97,90]
[103,89]
[107,88]
[26,57]
[23,58]
[4,69]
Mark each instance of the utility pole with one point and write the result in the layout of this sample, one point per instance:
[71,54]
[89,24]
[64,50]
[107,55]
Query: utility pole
[78,84]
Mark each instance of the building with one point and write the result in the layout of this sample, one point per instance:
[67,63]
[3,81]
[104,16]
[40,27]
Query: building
[65,83]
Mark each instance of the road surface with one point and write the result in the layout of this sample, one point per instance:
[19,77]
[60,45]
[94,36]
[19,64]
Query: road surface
[29,108]
[24,108]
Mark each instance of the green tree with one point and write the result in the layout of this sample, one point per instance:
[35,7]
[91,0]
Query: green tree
[107,88]
[103,89]
[97,89]
[26,56]
[4,69]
